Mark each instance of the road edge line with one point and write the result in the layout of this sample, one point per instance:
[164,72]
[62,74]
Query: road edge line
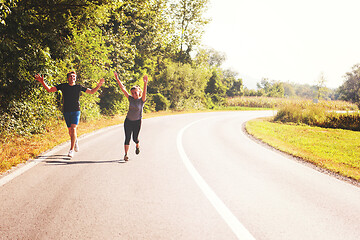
[30,164]
[238,229]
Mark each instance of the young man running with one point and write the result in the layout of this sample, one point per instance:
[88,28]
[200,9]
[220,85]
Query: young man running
[71,107]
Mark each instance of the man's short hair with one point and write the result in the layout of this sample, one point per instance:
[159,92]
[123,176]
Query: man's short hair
[69,73]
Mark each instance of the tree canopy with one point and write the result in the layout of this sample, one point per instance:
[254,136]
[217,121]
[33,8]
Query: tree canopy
[95,38]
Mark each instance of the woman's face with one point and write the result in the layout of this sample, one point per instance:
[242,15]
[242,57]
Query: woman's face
[135,93]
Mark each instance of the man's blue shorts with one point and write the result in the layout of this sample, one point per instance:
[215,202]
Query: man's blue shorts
[72,118]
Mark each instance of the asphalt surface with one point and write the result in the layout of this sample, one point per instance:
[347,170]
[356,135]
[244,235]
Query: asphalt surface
[198,176]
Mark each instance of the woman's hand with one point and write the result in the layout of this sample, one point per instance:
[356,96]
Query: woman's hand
[116,76]
[39,78]
[145,78]
[117,79]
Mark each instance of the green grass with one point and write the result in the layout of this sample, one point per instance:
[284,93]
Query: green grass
[336,150]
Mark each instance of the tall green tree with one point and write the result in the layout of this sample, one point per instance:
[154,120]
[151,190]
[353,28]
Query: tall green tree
[183,85]
[189,20]
[350,90]
[271,88]
[215,88]
[321,86]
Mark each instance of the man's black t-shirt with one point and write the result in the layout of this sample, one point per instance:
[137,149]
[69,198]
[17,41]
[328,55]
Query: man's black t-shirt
[71,95]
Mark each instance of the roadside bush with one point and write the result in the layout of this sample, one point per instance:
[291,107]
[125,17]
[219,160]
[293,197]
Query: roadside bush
[26,117]
[350,121]
[161,103]
[182,84]
[317,115]
[90,109]
[313,115]
[112,101]
[189,103]
[289,113]
[209,103]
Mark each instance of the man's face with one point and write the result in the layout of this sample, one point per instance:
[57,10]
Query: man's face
[72,79]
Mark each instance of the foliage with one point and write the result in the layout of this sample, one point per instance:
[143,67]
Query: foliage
[344,121]
[112,101]
[312,115]
[320,85]
[234,86]
[317,115]
[189,21]
[161,103]
[271,88]
[38,37]
[215,89]
[5,9]
[95,38]
[182,85]
[350,90]
[26,117]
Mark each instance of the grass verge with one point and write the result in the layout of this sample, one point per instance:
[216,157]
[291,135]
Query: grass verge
[335,150]
[18,149]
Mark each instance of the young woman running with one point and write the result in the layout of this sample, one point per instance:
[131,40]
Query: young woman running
[132,122]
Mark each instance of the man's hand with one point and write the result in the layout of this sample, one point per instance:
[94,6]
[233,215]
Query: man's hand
[101,82]
[39,78]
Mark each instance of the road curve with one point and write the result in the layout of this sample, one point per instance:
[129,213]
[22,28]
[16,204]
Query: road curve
[156,195]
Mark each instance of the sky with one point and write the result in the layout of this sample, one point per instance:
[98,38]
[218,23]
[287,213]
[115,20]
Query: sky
[286,40]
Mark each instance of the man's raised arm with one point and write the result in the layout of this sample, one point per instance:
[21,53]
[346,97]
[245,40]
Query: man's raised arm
[94,90]
[40,79]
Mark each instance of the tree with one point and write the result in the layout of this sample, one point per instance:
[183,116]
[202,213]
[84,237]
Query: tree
[320,85]
[350,90]
[183,85]
[5,9]
[189,22]
[234,85]
[271,88]
[289,90]
[215,88]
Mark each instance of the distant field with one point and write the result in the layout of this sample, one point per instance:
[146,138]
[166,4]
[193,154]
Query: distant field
[266,102]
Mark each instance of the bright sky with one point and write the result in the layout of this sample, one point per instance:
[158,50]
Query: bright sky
[286,40]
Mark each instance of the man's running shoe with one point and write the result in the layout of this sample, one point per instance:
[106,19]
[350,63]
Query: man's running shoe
[137,151]
[126,158]
[71,153]
[76,148]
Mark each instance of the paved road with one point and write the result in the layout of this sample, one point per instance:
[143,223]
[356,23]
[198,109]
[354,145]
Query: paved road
[198,176]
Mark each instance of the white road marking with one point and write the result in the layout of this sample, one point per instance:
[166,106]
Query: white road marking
[28,165]
[11,176]
[238,229]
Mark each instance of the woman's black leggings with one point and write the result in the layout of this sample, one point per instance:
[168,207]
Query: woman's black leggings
[132,127]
